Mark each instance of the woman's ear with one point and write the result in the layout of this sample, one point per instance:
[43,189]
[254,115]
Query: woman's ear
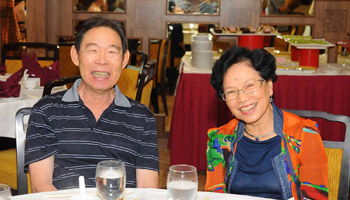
[270,87]
[74,55]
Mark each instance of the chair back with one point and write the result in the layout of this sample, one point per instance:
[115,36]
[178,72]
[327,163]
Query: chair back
[11,54]
[136,77]
[59,82]
[163,57]
[22,182]
[145,82]
[338,154]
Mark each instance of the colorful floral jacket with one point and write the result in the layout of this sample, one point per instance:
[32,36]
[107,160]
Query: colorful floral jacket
[301,167]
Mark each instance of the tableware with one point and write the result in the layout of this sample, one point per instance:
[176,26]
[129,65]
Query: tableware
[201,37]
[31,83]
[5,192]
[182,182]
[110,179]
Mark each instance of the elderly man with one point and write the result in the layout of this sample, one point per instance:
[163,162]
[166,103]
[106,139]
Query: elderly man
[71,131]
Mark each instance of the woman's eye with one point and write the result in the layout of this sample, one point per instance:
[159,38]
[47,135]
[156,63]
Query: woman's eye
[231,92]
[249,85]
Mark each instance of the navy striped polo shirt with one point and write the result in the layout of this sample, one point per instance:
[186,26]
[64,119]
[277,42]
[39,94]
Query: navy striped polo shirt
[62,126]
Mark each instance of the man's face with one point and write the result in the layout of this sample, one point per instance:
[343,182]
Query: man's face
[100,59]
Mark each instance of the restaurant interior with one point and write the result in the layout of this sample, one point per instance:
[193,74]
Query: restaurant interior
[177,89]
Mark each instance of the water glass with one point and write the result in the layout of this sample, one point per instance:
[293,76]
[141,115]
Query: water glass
[5,192]
[182,182]
[110,179]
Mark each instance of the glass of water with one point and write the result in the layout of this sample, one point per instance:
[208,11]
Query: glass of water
[182,182]
[5,192]
[110,179]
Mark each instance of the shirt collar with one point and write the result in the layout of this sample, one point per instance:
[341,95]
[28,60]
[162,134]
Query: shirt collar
[72,95]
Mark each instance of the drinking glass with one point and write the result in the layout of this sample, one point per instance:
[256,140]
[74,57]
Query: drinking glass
[182,182]
[110,179]
[5,192]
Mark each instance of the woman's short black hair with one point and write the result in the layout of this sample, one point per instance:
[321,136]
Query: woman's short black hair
[99,21]
[259,59]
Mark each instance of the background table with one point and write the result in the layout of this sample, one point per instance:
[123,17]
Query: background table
[9,107]
[196,107]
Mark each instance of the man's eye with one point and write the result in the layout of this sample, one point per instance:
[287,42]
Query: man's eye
[92,50]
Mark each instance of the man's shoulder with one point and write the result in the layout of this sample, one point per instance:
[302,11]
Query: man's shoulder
[50,99]
[138,108]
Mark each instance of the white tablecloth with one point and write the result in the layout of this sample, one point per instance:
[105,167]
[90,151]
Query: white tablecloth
[323,69]
[132,194]
[9,107]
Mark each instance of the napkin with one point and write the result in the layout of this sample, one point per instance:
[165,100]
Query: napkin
[2,69]
[11,87]
[31,63]
[44,73]
[51,72]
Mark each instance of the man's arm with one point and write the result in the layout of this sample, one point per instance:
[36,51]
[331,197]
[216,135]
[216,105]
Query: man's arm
[41,173]
[146,178]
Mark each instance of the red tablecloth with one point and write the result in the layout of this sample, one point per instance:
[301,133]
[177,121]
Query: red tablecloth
[196,109]
[322,93]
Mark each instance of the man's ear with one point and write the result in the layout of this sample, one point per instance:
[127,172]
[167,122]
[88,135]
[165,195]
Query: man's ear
[126,58]
[74,55]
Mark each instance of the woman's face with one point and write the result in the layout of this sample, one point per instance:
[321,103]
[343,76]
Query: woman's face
[254,107]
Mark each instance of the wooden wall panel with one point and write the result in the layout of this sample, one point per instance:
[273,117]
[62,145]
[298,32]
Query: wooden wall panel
[332,23]
[147,19]
[35,20]
[58,20]
[240,13]
[332,20]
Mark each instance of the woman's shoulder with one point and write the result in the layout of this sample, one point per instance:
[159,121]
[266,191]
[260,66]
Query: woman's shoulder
[299,124]
[226,129]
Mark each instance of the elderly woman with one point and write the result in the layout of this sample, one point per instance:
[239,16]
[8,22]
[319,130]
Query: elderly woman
[264,151]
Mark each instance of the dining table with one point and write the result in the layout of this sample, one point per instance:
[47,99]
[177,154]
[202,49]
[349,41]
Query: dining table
[197,108]
[9,106]
[129,194]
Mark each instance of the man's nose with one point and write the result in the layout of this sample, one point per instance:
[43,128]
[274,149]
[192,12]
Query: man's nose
[102,58]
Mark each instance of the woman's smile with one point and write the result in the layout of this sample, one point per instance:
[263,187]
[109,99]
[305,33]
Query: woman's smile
[248,109]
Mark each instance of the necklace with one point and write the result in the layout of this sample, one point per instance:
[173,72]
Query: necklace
[258,137]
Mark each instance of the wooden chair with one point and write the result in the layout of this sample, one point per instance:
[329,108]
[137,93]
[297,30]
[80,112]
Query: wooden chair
[11,54]
[160,84]
[136,83]
[60,82]
[145,82]
[338,154]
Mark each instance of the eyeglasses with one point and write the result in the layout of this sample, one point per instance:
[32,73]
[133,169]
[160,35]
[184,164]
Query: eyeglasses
[247,89]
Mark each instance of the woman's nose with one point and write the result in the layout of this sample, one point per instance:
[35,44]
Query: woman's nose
[241,96]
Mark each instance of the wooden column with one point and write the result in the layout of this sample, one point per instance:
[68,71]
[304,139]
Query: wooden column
[36,20]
